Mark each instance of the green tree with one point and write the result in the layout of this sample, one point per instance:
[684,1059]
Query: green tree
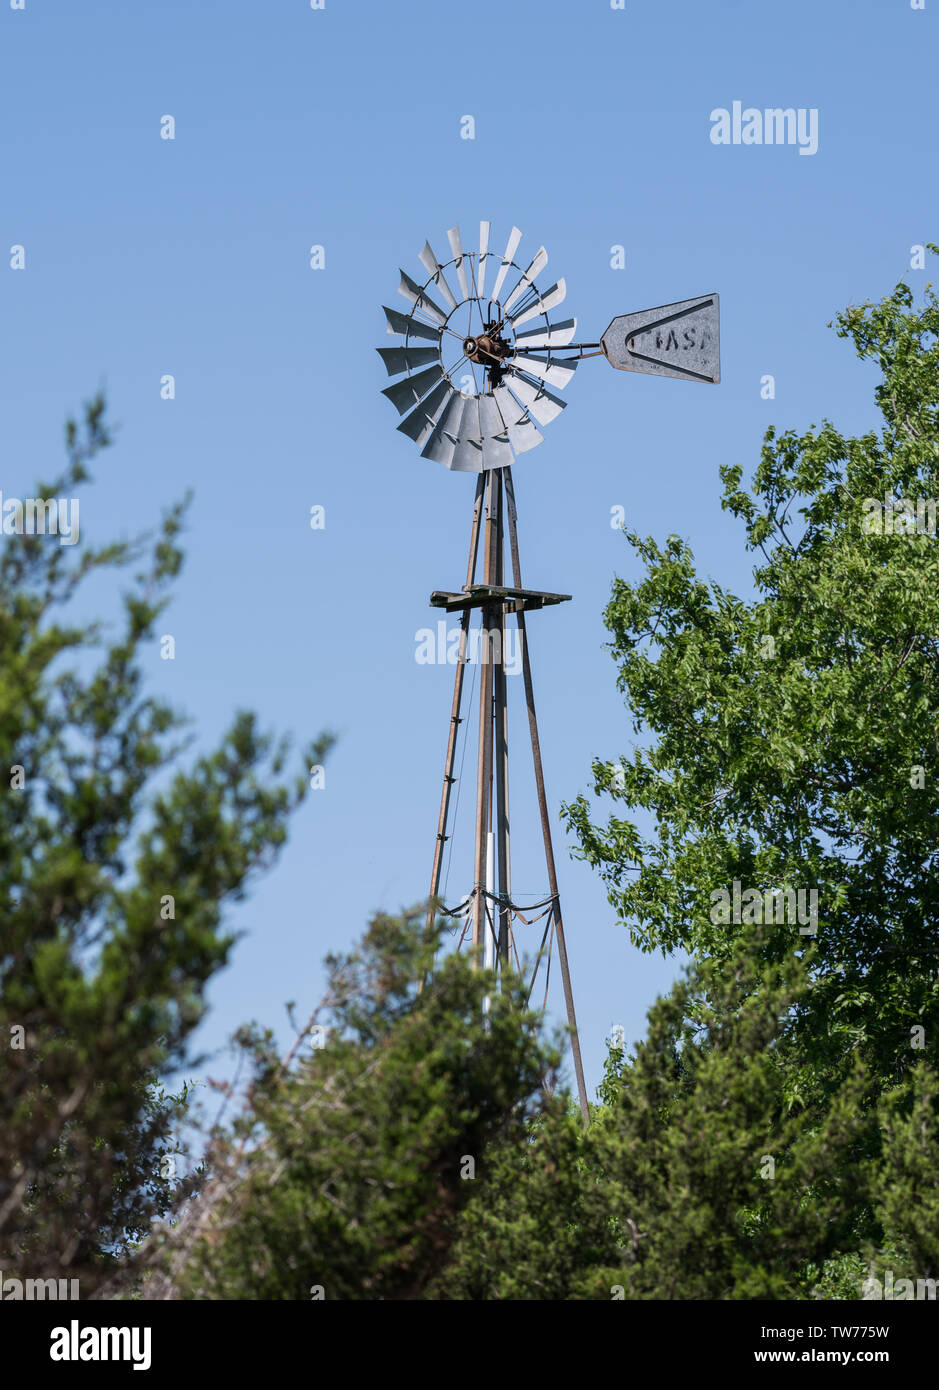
[906,1183]
[531,1228]
[696,1179]
[347,1172]
[789,741]
[112,894]
[410,1149]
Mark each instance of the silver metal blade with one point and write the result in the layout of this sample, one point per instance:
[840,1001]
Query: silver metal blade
[442,442]
[555,335]
[548,300]
[404,393]
[434,270]
[456,246]
[407,359]
[468,457]
[439,448]
[468,454]
[551,371]
[539,261]
[490,420]
[411,327]
[483,256]
[420,298]
[523,433]
[452,417]
[497,453]
[510,250]
[420,423]
[524,436]
[496,450]
[469,419]
[536,398]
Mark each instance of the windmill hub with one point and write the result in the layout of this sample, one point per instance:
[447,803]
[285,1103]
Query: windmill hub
[488,349]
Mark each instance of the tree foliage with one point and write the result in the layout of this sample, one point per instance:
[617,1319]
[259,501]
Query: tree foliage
[694,1181]
[789,741]
[347,1172]
[116,866]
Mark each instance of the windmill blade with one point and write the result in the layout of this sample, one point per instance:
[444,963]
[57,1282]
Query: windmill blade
[549,300]
[551,371]
[536,398]
[468,454]
[468,457]
[554,336]
[435,271]
[510,250]
[441,444]
[410,327]
[404,393]
[420,299]
[422,419]
[497,452]
[407,359]
[539,261]
[491,423]
[483,257]
[523,433]
[456,246]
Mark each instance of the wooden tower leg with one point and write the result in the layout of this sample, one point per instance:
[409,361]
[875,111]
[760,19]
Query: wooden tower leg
[501,720]
[543,804]
[455,720]
[484,757]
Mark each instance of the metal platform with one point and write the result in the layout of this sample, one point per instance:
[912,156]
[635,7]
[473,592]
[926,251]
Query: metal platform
[484,595]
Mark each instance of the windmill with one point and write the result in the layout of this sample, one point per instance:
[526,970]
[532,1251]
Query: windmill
[476,380]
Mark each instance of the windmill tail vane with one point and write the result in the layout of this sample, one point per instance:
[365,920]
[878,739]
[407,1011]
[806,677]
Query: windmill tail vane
[477,374]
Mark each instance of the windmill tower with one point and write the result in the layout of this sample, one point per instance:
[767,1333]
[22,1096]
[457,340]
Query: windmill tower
[475,374]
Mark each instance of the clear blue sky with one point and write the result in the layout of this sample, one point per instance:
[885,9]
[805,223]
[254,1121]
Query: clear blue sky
[341,127]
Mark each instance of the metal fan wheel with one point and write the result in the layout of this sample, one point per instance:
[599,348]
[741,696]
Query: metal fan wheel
[475,371]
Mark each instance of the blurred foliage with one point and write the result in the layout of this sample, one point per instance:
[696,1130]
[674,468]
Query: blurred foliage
[115,872]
